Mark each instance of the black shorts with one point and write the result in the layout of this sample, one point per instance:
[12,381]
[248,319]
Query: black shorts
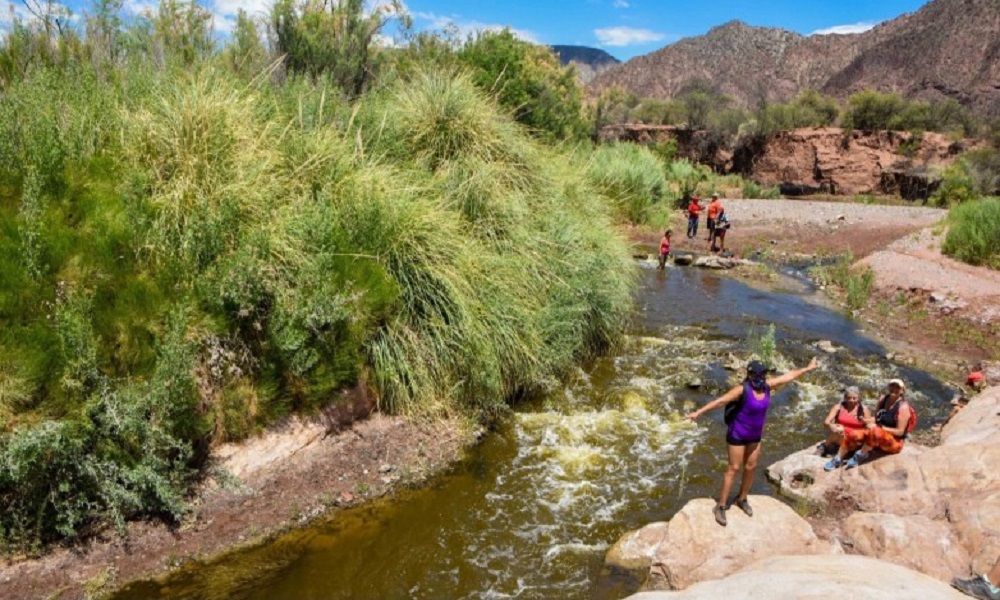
[737,442]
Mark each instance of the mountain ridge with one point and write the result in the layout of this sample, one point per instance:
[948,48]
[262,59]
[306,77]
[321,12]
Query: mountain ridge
[946,49]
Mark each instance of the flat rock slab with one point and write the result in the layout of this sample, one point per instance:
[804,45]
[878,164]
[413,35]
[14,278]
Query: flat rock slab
[696,548]
[816,578]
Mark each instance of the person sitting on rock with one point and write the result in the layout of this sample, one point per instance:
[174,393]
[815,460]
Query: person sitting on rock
[886,431]
[848,415]
[984,587]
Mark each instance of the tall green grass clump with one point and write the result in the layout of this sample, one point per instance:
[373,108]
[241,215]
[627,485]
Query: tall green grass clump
[856,282]
[508,269]
[189,255]
[761,344]
[631,177]
[974,232]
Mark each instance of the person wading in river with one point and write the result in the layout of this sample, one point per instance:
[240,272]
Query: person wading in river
[745,428]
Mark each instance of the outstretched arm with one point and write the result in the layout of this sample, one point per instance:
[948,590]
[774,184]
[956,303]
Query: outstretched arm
[726,398]
[792,375]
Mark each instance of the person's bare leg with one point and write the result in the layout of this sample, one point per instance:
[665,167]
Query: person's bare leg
[750,457]
[736,454]
[994,574]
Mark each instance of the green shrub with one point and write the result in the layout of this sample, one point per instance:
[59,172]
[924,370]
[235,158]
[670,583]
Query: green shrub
[857,283]
[685,177]
[630,176]
[974,232]
[752,189]
[761,345]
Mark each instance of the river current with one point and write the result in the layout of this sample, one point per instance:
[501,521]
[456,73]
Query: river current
[531,511]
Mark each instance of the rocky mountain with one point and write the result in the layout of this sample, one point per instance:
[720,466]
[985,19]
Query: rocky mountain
[947,49]
[589,61]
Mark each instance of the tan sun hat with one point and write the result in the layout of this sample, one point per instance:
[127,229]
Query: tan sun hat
[898,382]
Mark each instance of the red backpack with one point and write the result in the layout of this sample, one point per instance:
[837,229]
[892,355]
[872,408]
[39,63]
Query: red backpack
[913,415]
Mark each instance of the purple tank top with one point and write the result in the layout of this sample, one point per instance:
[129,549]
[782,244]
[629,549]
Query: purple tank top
[748,425]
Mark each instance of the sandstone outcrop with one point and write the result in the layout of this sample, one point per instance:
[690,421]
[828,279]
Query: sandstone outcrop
[827,160]
[797,577]
[903,526]
[836,161]
[942,495]
[635,549]
[695,548]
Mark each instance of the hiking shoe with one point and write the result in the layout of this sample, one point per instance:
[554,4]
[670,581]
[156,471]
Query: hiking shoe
[977,587]
[720,514]
[855,460]
[835,462]
[744,506]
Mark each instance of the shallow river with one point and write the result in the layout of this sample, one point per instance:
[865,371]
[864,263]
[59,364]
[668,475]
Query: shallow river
[531,511]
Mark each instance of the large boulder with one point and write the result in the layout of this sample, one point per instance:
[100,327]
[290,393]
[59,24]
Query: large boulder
[696,548]
[797,577]
[955,485]
[635,549]
[914,542]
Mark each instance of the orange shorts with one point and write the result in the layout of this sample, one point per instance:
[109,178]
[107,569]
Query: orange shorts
[875,437]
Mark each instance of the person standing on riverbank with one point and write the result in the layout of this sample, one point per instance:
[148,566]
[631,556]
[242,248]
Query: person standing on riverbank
[712,213]
[694,210]
[745,428]
[664,249]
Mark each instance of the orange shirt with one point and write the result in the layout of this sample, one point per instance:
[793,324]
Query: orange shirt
[714,209]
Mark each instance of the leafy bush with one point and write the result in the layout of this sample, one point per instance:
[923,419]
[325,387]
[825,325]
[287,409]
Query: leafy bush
[761,345]
[752,189]
[974,232]
[857,283]
[630,176]
[528,81]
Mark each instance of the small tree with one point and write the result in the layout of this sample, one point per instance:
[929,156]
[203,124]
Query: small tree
[527,80]
[334,38]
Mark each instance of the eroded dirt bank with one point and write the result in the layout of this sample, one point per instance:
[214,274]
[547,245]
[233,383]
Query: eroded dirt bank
[298,470]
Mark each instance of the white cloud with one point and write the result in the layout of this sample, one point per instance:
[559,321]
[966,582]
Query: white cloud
[626,36]
[843,29]
[467,28]
[620,3]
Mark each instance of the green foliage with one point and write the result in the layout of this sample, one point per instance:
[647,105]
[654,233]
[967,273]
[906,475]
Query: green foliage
[761,345]
[333,39]
[856,282]
[976,173]
[974,232]
[528,81]
[189,251]
[246,53]
[630,176]
[870,110]
[752,189]
[684,176]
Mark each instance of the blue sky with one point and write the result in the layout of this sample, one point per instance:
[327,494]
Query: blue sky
[625,28]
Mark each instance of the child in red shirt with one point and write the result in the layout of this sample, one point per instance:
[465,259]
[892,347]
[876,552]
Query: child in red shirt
[664,249]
